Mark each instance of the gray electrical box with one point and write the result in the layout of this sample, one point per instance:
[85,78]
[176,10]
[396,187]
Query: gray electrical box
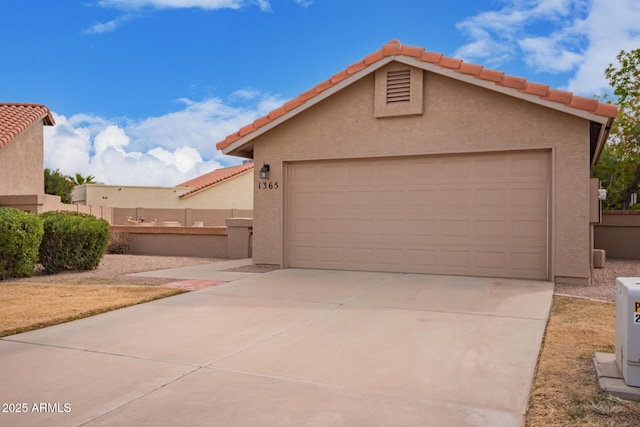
[628,329]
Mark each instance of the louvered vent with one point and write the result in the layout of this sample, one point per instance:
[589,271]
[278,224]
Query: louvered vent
[398,86]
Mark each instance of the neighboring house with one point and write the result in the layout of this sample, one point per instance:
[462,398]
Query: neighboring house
[21,148]
[225,188]
[411,161]
[22,158]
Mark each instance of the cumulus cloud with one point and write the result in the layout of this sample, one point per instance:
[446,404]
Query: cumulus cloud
[155,151]
[555,36]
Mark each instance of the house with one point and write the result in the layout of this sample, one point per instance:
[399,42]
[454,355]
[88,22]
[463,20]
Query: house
[224,188]
[22,157]
[411,161]
[21,148]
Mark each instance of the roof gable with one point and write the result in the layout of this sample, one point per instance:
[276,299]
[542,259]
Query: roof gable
[214,177]
[588,108]
[16,118]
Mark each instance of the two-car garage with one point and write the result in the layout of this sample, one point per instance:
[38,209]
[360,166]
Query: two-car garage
[481,214]
[411,161]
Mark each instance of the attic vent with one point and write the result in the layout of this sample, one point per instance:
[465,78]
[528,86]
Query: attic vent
[398,86]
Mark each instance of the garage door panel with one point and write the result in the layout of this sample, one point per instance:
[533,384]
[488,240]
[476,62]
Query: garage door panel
[463,214]
[491,167]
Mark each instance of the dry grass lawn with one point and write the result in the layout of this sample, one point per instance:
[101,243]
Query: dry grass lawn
[565,390]
[27,306]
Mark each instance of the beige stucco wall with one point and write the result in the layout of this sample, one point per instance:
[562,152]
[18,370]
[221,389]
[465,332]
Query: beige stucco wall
[233,193]
[22,163]
[619,234]
[458,117]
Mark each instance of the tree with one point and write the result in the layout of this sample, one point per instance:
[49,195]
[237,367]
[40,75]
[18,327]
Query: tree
[58,184]
[619,165]
[78,179]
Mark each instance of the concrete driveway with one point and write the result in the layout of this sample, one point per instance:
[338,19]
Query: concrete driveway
[290,348]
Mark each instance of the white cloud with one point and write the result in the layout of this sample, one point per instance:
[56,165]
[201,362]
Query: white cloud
[156,151]
[174,4]
[610,27]
[557,36]
[264,5]
[110,26]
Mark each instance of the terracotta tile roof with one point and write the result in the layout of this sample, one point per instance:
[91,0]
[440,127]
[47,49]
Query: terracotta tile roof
[16,118]
[394,49]
[214,177]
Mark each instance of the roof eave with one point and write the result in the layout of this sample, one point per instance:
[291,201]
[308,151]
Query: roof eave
[505,90]
[602,140]
[236,147]
[239,147]
[213,184]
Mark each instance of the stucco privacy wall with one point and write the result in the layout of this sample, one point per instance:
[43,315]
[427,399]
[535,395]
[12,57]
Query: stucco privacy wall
[21,163]
[458,118]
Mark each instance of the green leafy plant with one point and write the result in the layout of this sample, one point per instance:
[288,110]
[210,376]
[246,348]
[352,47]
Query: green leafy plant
[72,241]
[20,237]
[619,164]
[57,184]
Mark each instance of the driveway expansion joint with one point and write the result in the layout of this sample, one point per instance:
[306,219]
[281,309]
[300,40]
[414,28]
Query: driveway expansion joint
[104,353]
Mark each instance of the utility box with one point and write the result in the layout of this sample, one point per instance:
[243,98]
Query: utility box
[628,329]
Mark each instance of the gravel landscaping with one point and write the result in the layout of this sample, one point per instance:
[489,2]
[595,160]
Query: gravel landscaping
[603,286]
[115,266]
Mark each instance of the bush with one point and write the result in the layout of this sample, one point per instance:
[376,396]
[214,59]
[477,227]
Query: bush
[20,237]
[72,241]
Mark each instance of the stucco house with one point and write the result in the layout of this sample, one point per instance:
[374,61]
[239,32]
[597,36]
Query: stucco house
[223,188]
[22,156]
[411,161]
[21,148]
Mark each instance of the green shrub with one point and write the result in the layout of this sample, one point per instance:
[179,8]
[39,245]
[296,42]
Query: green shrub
[20,237]
[72,241]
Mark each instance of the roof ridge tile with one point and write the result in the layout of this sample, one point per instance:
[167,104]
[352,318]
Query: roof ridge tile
[448,62]
[395,48]
[538,89]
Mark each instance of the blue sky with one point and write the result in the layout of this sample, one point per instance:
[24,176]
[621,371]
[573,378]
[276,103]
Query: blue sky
[143,89]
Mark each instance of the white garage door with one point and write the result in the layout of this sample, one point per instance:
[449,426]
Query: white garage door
[480,214]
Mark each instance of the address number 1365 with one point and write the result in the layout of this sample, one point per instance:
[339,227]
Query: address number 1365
[271,185]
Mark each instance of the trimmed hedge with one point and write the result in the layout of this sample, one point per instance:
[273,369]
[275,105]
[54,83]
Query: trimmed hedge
[72,241]
[20,237]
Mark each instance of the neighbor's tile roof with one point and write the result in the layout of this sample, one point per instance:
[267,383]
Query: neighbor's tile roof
[16,118]
[214,177]
[394,49]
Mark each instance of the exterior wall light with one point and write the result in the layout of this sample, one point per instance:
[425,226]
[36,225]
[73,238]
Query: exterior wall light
[264,171]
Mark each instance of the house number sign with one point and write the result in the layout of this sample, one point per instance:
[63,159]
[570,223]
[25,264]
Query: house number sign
[270,185]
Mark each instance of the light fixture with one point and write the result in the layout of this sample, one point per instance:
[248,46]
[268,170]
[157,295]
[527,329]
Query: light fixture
[264,171]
